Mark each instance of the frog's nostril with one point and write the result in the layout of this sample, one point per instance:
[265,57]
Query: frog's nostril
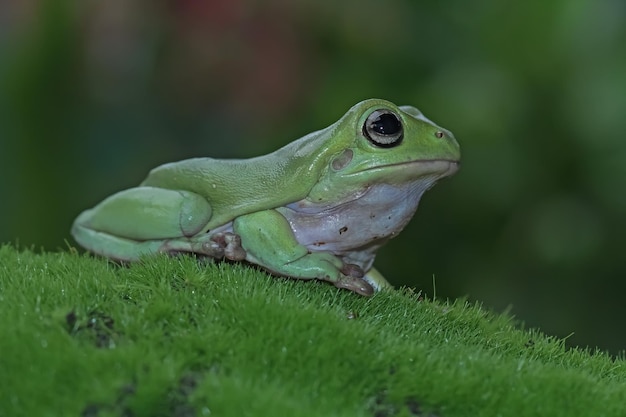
[439,134]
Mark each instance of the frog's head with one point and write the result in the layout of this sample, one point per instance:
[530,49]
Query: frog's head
[379,142]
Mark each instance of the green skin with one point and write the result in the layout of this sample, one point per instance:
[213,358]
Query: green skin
[318,208]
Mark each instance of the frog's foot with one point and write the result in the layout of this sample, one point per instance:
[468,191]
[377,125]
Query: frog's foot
[354,284]
[231,245]
[352,279]
[217,246]
[352,270]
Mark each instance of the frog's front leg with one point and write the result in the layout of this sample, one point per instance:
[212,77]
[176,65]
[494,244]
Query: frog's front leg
[269,241]
[377,280]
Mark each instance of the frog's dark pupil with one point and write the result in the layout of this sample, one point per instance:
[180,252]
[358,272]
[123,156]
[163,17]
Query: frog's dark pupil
[383,128]
[386,124]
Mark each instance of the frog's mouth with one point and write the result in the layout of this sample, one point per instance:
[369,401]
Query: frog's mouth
[421,167]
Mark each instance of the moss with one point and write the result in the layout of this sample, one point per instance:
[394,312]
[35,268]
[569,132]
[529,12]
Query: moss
[175,337]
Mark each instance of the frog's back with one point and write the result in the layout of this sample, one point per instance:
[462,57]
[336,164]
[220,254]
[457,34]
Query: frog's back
[235,187]
[238,186]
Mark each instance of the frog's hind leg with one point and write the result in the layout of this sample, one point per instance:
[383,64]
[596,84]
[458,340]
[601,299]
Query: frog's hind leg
[145,220]
[113,247]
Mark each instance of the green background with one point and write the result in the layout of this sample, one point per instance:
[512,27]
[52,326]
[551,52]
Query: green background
[94,94]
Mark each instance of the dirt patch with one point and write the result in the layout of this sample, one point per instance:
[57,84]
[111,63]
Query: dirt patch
[117,408]
[96,326]
[380,406]
[177,396]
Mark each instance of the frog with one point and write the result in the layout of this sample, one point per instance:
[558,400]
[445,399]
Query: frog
[318,208]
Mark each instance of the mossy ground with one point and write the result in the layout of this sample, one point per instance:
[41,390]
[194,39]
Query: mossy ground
[175,337]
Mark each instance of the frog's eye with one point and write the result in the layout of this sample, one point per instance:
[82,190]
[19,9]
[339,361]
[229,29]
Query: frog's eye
[383,128]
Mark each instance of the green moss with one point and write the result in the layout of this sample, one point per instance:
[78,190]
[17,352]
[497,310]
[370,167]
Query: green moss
[175,337]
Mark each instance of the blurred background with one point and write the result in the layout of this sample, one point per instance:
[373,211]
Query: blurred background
[94,94]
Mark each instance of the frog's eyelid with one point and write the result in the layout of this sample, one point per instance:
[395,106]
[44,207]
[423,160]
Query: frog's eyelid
[423,118]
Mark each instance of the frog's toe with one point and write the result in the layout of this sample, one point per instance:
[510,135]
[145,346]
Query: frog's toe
[231,244]
[377,280]
[352,270]
[357,285]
